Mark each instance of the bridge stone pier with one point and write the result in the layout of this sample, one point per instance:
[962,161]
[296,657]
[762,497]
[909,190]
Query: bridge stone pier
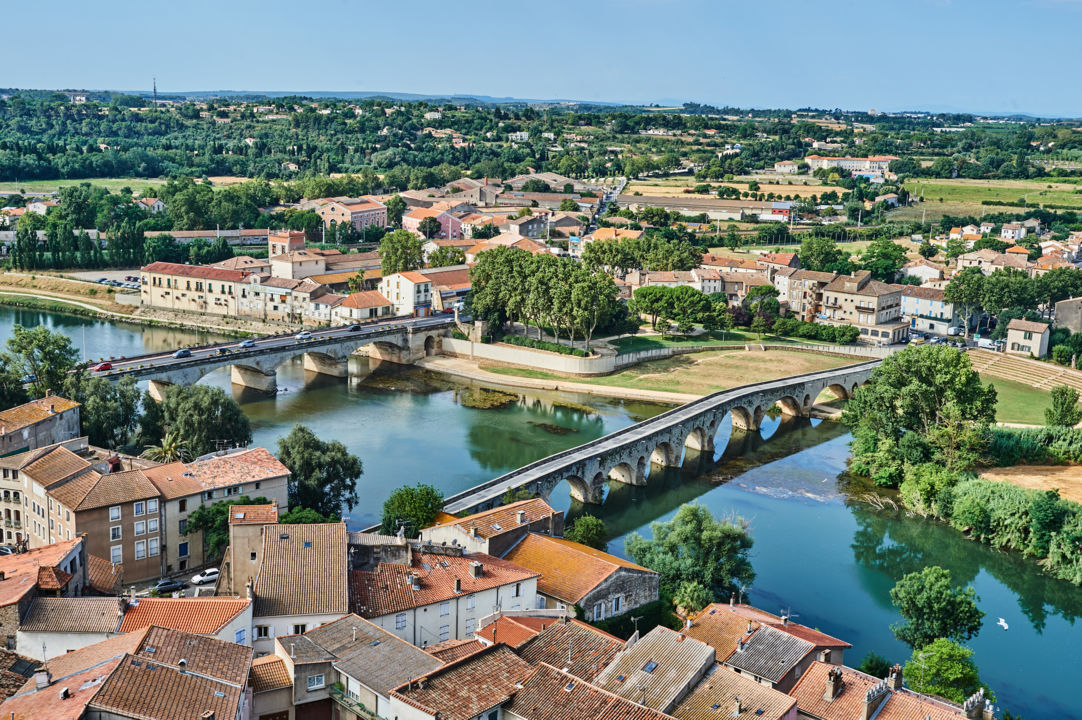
[257,367]
[627,455]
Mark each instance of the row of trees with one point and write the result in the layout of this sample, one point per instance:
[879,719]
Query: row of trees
[1010,290]
[542,291]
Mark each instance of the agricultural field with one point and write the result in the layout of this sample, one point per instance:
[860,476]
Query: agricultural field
[974,191]
[48,186]
[931,211]
[675,186]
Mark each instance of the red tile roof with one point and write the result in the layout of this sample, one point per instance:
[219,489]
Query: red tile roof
[569,571]
[514,631]
[194,271]
[581,649]
[551,694]
[104,576]
[21,570]
[253,514]
[51,578]
[451,650]
[234,468]
[848,703]
[366,299]
[200,616]
[414,277]
[505,517]
[387,589]
[469,687]
[34,411]
[269,673]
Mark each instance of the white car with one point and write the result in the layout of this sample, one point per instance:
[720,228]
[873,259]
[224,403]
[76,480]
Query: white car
[207,576]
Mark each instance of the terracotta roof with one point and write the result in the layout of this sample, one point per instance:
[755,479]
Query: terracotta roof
[387,589]
[924,293]
[73,615]
[591,649]
[444,278]
[551,694]
[778,258]
[465,689]
[848,703]
[51,578]
[71,493]
[503,518]
[242,262]
[194,271]
[54,465]
[414,277]
[1018,250]
[452,650]
[269,673]
[14,671]
[366,299]
[113,489]
[20,571]
[662,662]
[513,630]
[234,468]
[34,411]
[1027,326]
[198,615]
[304,570]
[104,576]
[718,694]
[173,481]
[569,571]
[253,514]
[333,278]
[611,233]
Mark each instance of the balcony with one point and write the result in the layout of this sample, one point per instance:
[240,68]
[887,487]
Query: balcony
[354,706]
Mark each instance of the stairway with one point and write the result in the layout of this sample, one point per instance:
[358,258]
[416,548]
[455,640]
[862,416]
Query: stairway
[1043,376]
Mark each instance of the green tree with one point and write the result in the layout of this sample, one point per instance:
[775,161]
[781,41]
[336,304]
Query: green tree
[696,547]
[445,256]
[588,530]
[43,356]
[305,516]
[819,252]
[110,410]
[1064,411]
[927,250]
[568,205]
[966,290]
[883,258]
[430,227]
[945,669]
[1009,288]
[875,665]
[206,418]
[933,608]
[213,522]
[12,392]
[760,325]
[400,251]
[691,597]
[396,207]
[410,508]
[171,448]
[593,300]
[323,474]
[1046,515]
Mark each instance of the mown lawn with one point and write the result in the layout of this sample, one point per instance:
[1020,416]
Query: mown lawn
[975,191]
[735,338]
[1018,403]
[112,184]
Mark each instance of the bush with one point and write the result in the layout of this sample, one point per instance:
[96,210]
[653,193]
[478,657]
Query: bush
[536,344]
[1036,446]
[794,327]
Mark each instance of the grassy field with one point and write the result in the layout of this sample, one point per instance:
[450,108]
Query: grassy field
[931,211]
[1018,403]
[45,186]
[674,186]
[702,373]
[975,191]
[736,338]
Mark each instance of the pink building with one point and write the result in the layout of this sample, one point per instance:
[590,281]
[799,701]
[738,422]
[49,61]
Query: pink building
[450,226]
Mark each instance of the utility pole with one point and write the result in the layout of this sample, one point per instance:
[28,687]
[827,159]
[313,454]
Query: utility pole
[155,92]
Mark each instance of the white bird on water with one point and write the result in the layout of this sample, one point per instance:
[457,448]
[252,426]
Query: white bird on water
[1001,622]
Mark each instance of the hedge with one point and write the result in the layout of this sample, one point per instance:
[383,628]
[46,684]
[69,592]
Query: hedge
[543,345]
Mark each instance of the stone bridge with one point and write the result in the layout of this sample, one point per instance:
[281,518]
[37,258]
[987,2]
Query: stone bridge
[326,352]
[626,455]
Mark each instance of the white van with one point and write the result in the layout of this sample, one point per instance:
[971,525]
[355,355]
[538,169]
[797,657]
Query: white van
[986,344]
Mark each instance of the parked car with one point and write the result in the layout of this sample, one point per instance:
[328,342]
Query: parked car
[131,278]
[246,344]
[354,328]
[7,550]
[986,344]
[168,585]
[103,280]
[207,576]
[303,335]
[182,353]
[102,367]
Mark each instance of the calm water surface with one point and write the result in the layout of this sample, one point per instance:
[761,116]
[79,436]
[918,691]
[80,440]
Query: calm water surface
[819,552]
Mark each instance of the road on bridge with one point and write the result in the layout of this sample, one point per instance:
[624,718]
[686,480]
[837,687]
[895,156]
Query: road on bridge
[255,346]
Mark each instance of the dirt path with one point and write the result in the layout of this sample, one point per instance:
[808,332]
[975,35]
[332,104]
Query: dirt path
[1065,478]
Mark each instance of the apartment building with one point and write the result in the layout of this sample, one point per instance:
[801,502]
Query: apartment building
[280,242]
[870,164]
[450,226]
[361,213]
[57,570]
[190,288]
[38,423]
[804,292]
[874,307]
[409,292]
[926,310]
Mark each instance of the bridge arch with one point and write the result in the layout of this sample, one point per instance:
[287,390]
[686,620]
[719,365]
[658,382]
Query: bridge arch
[430,346]
[664,455]
[790,406]
[700,438]
[840,391]
[626,474]
[742,418]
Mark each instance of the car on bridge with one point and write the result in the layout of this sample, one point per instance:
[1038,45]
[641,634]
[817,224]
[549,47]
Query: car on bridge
[354,328]
[246,344]
[303,335]
[182,353]
[102,367]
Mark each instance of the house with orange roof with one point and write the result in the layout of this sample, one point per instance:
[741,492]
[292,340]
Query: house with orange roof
[58,570]
[450,226]
[35,424]
[440,594]
[603,585]
[361,213]
[410,293]
[495,531]
[55,626]
[361,307]
[574,645]
[152,205]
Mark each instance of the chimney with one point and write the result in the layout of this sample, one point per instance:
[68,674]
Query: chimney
[974,705]
[785,620]
[894,679]
[292,654]
[521,515]
[873,699]
[42,678]
[476,569]
[738,707]
[473,531]
[2,575]
[52,409]
[207,715]
[65,693]
[824,655]
[458,585]
[834,684]
[249,590]
[732,599]
[415,582]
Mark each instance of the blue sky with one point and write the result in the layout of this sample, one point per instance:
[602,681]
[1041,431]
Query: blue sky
[971,55]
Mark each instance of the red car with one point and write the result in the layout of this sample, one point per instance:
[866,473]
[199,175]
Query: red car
[102,367]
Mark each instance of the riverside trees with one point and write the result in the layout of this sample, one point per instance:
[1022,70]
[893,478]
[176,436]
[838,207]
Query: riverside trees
[510,284]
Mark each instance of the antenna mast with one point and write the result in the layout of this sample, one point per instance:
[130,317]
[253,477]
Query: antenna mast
[155,92]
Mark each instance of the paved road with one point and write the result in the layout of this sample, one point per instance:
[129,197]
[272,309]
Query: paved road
[257,346]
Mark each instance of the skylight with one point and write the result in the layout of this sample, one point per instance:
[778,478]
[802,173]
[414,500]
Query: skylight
[650,667]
